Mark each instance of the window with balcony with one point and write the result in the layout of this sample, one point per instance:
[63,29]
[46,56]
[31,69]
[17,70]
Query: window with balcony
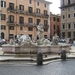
[45,22]
[38,21]
[45,12]
[11,27]
[30,20]
[38,10]
[30,28]
[11,6]
[21,28]
[21,20]
[11,19]
[3,27]
[21,7]
[30,1]
[3,17]
[3,4]
[30,9]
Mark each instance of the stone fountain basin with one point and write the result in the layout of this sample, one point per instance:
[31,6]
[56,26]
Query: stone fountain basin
[34,49]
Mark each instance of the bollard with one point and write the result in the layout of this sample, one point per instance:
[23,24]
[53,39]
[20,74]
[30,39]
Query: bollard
[39,58]
[63,54]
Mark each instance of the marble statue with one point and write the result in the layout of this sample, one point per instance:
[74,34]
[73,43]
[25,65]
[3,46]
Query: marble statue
[55,40]
[40,30]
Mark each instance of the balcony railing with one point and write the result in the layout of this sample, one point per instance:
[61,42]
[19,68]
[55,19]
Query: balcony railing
[10,10]
[46,26]
[11,23]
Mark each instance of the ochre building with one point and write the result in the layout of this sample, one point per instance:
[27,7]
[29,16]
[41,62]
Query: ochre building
[55,24]
[23,16]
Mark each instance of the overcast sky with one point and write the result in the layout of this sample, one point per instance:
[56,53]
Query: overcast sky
[54,6]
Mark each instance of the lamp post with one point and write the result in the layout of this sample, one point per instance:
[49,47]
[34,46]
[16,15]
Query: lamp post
[0,19]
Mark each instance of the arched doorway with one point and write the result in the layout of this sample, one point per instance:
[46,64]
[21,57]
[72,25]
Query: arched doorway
[2,35]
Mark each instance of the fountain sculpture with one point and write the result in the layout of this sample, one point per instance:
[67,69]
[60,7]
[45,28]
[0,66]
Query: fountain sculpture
[25,45]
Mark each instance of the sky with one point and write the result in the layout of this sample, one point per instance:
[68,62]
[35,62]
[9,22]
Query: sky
[54,7]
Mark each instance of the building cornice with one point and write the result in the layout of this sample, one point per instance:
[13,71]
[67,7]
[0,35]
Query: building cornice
[65,6]
[47,2]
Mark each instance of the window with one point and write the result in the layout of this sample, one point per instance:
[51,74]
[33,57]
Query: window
[45,36]
[3,4]
[45,22]
[30,29]
[74,14]
[63,26]
[68,1]
[74,25]
[30,35]
[54,27]
[63,34]
[44,5]
[54,19]
[11,36]
[69,34]
[63,17]
[45,12]
[30,1]
[3,17]
[38,21]
[69,26]
[21,7]
[63,2]
[30,9]
[63,10]
[38,10]
[68,8]
[74,7]
[21,20]
[73,34]
[45,29]
[21,28]
[68,15]
[37,3]
[11,27]
[57,19]
[11,6]
[11,18]
[3,27]
[30,20]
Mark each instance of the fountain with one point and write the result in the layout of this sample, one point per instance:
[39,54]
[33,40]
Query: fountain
[25,45]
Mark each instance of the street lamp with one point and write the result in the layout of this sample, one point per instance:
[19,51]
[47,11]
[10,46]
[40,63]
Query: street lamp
[0,18]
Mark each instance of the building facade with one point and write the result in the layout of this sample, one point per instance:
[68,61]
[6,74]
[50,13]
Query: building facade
[22,17]
[55,22]
[67,18]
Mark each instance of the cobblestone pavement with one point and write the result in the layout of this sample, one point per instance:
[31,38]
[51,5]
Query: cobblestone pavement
[54,68]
